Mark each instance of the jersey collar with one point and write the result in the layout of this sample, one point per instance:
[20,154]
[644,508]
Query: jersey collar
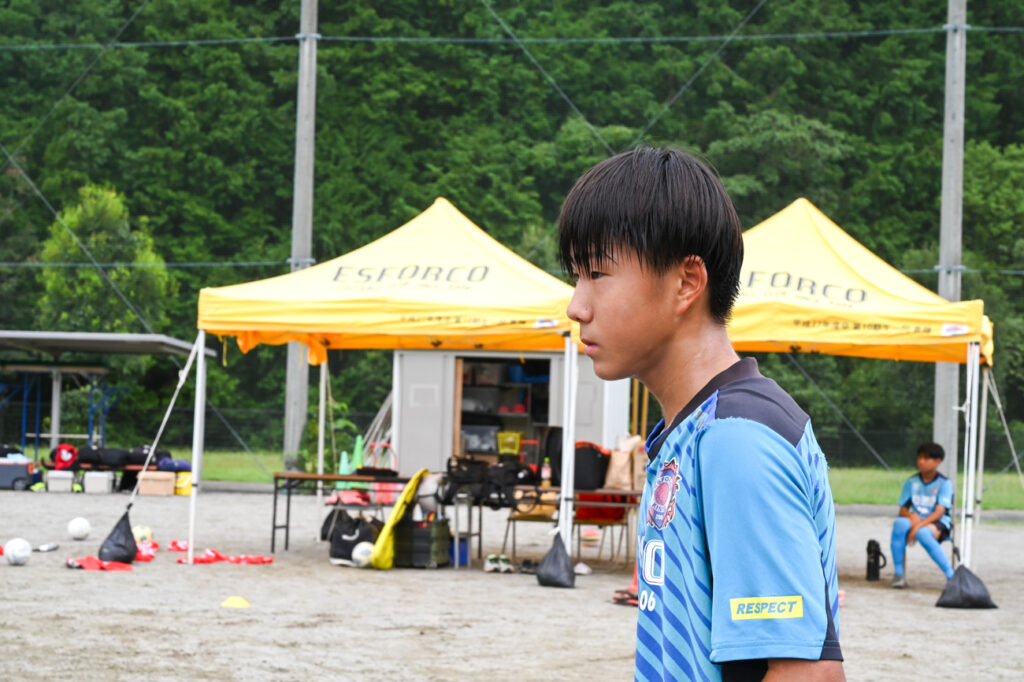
[743,369]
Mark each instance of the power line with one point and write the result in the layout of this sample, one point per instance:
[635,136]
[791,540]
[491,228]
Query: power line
[124,264]
[550,80]
[74,84]
[697,73]
[455,40]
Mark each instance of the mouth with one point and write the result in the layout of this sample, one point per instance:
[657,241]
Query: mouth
[588,346]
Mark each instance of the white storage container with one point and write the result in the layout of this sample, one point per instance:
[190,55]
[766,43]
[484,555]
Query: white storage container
[98,482]
[59,481]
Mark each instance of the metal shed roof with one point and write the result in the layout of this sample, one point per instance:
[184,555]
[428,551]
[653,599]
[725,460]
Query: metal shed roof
[56,344]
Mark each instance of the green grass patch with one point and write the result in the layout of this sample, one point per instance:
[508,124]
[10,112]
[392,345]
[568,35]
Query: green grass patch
[849,486]
[878,486]
[232,465]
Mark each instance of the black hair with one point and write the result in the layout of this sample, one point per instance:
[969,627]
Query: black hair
[663,205]
[932,450]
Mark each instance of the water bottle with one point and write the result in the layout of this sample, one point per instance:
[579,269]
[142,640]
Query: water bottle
[876,560]
[545,473]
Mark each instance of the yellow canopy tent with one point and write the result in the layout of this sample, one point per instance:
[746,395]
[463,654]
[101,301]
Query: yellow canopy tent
[808,286]
[439,281]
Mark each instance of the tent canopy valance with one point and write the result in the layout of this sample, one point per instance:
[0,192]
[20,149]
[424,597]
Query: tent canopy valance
[808,286]
[439,281]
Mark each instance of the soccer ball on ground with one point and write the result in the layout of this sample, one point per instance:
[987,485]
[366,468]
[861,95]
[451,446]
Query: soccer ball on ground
[17,551]
[361,554]
[142,533]
[79,528]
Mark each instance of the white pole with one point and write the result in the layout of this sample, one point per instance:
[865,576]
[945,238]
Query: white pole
[971,450]
[982,428]
[55,410]
[568,449]
[320,438]
[198,439]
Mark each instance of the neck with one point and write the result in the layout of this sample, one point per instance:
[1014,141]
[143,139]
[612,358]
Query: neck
[928,478]
[690,365]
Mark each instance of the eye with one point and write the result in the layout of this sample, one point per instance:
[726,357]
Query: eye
[595,274]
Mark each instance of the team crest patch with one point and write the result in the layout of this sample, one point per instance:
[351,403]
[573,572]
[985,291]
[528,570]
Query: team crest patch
[663,497]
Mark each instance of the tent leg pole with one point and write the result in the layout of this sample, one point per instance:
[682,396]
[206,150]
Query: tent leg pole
[568,442]
[320,438]
[970,451]
[982,428]
[198,440]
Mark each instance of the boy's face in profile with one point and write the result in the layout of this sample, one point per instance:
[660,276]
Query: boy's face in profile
[626,316]
[927,466]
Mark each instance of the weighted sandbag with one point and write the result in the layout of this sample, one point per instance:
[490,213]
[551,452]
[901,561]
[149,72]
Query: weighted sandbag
[965,591]
[120,544]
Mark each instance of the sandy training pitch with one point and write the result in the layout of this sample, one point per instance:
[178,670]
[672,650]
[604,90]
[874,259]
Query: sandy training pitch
[307,618]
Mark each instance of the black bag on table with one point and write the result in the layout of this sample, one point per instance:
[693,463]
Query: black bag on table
[120,544]
[137,455]
[465,475]
[113,457]
[88,455]
[591,466]
[556,569]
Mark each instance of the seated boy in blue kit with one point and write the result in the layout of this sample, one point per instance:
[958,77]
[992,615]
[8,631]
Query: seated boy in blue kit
[736,560]
[924,503]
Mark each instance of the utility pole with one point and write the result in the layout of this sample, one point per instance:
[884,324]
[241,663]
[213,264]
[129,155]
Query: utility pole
[945,429]
[297,386]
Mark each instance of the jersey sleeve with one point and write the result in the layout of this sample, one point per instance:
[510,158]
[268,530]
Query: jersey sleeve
[769,588]
[906,494]
[945,496]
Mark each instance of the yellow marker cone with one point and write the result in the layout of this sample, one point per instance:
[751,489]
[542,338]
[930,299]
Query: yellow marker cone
[235,602]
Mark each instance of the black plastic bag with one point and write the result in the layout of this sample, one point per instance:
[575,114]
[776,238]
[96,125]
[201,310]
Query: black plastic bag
[555,569]
[965,591]
[120,544]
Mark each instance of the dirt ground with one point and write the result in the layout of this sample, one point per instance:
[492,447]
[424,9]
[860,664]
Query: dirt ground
[307,618]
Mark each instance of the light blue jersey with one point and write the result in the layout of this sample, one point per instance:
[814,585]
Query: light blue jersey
[736,540]
[924,497]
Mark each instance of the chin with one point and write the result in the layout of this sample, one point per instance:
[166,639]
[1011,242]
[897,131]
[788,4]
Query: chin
[610,373]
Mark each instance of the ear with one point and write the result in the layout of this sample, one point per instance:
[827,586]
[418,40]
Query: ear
[691,285]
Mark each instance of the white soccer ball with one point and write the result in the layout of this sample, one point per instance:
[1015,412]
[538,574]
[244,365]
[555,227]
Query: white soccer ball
[17,551]
[142,533]
[79,528]
[361,554]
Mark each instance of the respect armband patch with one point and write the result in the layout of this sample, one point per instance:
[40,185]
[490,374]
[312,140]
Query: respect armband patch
[750,608]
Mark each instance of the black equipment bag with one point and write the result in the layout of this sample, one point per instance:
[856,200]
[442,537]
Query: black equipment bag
[965,591]
[556,569]
[591,466]
[345,532]
[137,455]
[120,544]
[375,471]
[468,476]
[113,457]
[591,461]
[88,455]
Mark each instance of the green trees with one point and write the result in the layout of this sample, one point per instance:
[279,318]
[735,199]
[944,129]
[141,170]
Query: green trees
[198,140]
[84,298]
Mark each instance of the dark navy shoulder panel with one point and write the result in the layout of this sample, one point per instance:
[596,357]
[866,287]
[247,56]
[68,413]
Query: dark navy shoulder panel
[762,400]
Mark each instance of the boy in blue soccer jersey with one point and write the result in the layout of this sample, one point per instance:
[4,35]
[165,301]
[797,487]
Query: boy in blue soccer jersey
[736,558]
[924,503]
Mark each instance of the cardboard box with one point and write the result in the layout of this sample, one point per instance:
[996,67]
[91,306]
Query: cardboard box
[156,482]
[59,481]
[98,482]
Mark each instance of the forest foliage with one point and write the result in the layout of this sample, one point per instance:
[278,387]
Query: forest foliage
[838,101]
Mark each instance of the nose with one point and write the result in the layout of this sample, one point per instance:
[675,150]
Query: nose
[579,309]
